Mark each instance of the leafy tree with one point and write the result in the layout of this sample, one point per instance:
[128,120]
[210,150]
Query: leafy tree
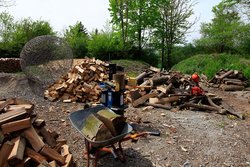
[105,45]
[77,37]
[171,25]
[226,32]
[26,29]
[14,34]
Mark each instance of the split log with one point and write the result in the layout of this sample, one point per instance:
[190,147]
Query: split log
[47,137]
[17,154]
[69,161]
[13,115]
[154,69]
[231,87]
[134,94]
[39,123]
[16,125]
[119,78]
[65,150]
[5,152]
[95,130]
[52,154]
[36,157]
[114,122]
[143,99]
[34,139]
[159,106]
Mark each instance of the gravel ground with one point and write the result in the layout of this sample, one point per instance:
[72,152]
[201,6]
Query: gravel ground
[188,138]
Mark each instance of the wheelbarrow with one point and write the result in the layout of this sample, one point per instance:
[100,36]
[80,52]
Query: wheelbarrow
[96,149]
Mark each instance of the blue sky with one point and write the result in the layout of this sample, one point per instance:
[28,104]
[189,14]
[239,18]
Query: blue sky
[92,13]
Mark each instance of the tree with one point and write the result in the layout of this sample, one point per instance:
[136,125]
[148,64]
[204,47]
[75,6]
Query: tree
[171,25]
[105,45]
[77,37]
[15,34]
[226,31]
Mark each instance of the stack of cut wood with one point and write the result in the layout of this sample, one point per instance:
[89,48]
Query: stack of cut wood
[80,84]
[167,89]
[159,88]
[229,80]
[25,140]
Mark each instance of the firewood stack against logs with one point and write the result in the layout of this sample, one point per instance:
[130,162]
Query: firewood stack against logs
[229,80]
[81,83]
[25,140]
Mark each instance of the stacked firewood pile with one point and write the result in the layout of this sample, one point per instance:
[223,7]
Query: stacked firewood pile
[165,90]
[80,84]
[25,140]
[229,80]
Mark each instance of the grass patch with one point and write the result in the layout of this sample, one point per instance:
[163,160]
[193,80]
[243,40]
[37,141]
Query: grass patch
[210,64]
[131,67]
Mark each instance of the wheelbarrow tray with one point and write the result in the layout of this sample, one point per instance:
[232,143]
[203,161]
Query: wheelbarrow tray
[78,119]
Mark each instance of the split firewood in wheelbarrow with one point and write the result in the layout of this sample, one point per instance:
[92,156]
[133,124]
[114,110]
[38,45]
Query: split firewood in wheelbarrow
[103,125]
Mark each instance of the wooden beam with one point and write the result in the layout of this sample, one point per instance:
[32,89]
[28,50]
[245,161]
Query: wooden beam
[16,125]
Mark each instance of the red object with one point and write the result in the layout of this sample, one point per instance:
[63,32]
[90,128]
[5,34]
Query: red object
[196,91]
[195,78]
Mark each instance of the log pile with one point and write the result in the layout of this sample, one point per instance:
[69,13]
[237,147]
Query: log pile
[162,89]
[229,80]
[25,140]
[80,84]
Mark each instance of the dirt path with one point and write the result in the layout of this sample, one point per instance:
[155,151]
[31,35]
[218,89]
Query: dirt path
[188,138]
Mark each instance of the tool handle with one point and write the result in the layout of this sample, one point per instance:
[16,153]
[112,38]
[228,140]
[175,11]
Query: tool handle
[154,133]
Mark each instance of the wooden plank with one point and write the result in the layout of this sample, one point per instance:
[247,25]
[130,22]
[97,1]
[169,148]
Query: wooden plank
[12,115]
[16,125]
[52,154]
[38,158]
[5,152]
[34,139]
[143,99]
[17,153]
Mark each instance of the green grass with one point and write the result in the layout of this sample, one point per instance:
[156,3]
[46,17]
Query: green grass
[131,67]
[210,64]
